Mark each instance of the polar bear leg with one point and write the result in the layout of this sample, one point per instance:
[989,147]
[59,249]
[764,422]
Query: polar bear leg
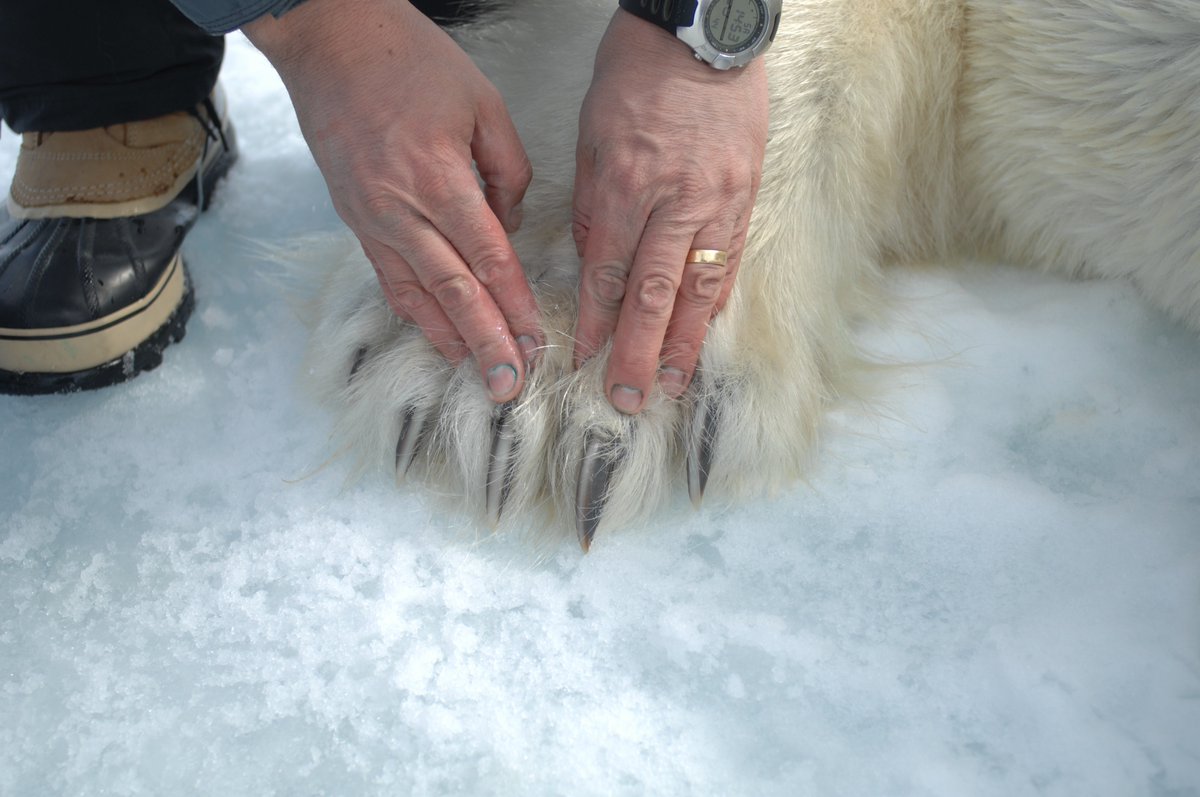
[1080,141]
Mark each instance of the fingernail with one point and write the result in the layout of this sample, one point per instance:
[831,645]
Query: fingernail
[513,222]
[529,348]
[672,381]
[626,399]
[501,379]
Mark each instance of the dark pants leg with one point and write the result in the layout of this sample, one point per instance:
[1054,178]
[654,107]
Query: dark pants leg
[79,64]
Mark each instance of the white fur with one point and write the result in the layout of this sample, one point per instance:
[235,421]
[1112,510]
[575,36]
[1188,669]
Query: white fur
[1060,133]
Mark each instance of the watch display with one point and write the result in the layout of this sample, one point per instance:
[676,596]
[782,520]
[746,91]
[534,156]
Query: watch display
[732,26]
[725,34]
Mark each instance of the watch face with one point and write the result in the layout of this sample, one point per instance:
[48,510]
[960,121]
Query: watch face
[732,26]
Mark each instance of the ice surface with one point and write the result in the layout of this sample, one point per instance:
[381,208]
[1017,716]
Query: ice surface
[991,588]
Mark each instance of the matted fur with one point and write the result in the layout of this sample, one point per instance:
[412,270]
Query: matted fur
[1064,134]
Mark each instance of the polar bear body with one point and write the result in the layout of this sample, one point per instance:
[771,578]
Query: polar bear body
[1060,134]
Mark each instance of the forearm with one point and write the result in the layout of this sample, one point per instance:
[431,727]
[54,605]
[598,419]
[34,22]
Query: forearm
[321,24]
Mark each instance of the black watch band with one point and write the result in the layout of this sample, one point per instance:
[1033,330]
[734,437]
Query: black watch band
[667,14]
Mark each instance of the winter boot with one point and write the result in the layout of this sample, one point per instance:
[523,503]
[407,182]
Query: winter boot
[92,285]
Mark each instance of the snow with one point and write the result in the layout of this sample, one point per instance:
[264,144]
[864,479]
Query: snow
[990,587]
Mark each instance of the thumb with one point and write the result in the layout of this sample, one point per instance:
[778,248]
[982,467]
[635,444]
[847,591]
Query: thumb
[502,162]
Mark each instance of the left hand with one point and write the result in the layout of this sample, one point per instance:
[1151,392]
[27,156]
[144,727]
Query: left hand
[396,114]
[669,159]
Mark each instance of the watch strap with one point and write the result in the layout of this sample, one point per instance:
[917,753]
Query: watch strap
[667,14]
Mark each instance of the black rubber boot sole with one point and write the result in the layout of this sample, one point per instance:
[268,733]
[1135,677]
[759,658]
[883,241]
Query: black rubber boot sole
[146,356]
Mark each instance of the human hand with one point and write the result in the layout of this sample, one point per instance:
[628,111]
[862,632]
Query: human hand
[395,113]
[669,159]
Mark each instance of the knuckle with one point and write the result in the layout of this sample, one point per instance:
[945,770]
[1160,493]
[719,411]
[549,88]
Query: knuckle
[409,295]
[628,182]
[451,348]
[693,188]
[492,267]
[521,175]
[606,282]
[382,204]
[455,293]
[447,341]
[702,283]
[682,351]
[733,183]
[625,178]
[579,231]
[510,176]
[490,352]
[443,150]
[433,183]
[655,295]
[436,176]
[744,185]
[701,197]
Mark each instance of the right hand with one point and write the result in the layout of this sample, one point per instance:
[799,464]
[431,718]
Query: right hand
[395,113]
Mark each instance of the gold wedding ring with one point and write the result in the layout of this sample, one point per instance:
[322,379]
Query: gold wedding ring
[718,256]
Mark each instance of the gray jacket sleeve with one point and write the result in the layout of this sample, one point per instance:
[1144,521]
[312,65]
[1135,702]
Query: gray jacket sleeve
[222,16]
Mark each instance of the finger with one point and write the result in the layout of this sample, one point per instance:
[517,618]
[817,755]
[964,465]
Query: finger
[700,286]
[409,300]
[502,162]
[478,240]
[611,245]
[645,313]
[581,201]
[456,229]
[737,246]
[469,306]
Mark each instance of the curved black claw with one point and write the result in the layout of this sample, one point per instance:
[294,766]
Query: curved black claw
[502,461]
[701,443]
[601,456]
[412,435]
[360,357]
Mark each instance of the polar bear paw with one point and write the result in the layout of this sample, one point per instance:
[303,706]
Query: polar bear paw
[557,455]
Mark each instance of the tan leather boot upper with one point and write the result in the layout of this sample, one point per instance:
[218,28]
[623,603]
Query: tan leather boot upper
[107,172]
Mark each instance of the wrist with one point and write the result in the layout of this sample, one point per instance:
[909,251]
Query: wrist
[307,27]
[275,36]
[635,40]
[724,34]
[642,35]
